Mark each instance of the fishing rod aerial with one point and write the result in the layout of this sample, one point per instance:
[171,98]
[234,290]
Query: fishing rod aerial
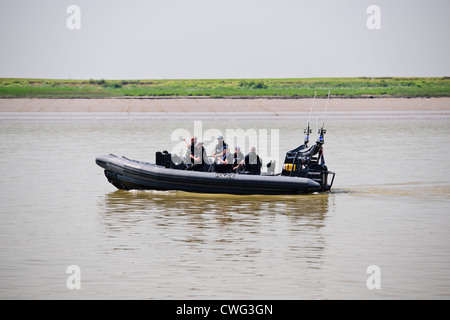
[326,108]
[307,131]
[322,131]
[312,106]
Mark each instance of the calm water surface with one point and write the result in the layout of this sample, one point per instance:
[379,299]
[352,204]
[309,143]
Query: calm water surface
[389,208]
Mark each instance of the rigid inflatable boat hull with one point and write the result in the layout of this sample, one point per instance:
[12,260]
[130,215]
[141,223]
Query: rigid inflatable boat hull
[129,174]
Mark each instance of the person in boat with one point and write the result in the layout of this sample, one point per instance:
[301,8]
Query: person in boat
[252,162]
[198,158]
[218,149]
[224,163]
[190,149]
[238,157]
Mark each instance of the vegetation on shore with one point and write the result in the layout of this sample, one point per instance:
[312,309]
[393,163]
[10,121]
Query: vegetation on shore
[222,88]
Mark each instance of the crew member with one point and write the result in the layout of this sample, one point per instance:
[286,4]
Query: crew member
[238,157]
[198,158]
[220,146]
[252,162]
[191,149]
[225,163]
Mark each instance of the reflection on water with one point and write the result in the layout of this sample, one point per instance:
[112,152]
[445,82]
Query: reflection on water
[230,215]
[173,203]
[230,240]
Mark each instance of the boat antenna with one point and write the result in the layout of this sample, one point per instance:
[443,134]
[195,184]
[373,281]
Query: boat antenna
[308,130]
[326,108]
[322,130]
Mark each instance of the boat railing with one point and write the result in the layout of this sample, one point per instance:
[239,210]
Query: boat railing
[328,183]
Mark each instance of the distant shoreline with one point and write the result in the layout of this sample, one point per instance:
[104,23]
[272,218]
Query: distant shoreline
[298,88]
[361,97]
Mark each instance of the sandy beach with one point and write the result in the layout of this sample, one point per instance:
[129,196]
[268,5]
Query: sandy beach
[207,108]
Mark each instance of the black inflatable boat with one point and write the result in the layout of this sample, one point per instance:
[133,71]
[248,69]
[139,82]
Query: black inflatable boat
[304,171]
[129,174]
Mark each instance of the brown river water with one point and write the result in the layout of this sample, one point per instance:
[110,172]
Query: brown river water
[388,210]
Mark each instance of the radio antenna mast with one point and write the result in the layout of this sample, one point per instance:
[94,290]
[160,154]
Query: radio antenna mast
[326,108]
[308,130]
[322,131]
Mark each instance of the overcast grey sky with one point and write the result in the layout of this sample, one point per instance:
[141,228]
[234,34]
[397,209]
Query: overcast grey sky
[160,39]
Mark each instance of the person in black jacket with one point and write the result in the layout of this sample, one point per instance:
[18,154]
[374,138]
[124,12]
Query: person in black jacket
[190,150]
[225,163]
[238,157]
[198,157]
[252,163]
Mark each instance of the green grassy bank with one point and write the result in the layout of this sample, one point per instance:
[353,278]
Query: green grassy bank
[222,88]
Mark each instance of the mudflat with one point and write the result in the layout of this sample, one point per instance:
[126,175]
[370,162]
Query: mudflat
[208,105]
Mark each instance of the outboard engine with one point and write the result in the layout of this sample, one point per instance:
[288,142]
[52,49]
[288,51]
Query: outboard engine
[309,162]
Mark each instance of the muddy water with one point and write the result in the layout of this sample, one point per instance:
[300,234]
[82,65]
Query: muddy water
[388,208]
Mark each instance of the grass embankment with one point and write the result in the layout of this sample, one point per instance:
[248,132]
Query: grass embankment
[289,88]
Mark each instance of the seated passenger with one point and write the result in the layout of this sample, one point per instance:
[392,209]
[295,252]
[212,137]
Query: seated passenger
[220,146]
[198,158]
[238,157]
[225,162]
[252,162]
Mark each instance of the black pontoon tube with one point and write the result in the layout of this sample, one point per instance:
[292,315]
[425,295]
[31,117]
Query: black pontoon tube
[129,174]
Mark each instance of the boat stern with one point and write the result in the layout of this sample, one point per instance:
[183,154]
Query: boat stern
[313,186]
